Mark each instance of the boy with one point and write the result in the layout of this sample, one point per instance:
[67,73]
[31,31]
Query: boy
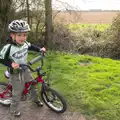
[12,55]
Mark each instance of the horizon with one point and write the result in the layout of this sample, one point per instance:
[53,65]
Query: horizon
[109,5]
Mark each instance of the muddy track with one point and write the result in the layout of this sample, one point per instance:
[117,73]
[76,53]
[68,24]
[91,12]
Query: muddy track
[32,112]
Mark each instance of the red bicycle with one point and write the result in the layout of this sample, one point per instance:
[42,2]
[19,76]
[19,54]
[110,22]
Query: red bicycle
[50,97]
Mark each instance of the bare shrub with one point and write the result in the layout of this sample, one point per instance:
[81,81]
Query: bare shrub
[62,38]
[111,44]
[83,41]
[90,41]
[87,41]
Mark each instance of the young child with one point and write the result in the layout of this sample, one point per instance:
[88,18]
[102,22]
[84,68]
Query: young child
[15,53]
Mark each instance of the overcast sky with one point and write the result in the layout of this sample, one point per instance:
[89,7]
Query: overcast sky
[89,4]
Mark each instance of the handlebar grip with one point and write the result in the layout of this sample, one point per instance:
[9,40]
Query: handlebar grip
[35,60]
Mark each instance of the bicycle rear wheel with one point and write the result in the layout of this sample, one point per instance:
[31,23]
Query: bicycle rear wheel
[54,100]
[5,94]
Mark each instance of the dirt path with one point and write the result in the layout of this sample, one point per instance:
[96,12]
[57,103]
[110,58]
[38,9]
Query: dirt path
[32,112]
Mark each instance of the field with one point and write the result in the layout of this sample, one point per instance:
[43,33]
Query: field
[86,17]
[99,27]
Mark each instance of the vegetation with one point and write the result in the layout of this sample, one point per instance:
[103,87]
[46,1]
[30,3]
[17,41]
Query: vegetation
[35,12]
[89,39]
[99,27]
[90,84]
[6,14]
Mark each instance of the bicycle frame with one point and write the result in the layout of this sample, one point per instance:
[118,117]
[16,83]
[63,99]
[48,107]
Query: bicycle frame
[37,80]
[50,97]
[9,88]
[28,85]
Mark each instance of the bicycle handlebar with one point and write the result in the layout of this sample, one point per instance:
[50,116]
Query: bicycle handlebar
[40,57]
[35,60]
[28,66]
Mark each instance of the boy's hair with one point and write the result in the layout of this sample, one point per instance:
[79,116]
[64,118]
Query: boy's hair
[18,26]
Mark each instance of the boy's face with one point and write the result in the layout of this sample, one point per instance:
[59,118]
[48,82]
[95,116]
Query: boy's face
[19,37]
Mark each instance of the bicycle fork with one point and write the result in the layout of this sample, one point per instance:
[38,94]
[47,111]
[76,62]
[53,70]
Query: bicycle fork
[45,88]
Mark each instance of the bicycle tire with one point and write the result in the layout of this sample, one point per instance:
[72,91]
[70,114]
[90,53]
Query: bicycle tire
[3,87]
[8,94]
[48,100]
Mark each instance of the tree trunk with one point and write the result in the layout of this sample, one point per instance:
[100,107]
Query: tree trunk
[48,23]
[36,31]
[5,8]
[28,12]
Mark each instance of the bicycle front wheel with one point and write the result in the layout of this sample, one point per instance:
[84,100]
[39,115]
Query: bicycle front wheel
[54,100]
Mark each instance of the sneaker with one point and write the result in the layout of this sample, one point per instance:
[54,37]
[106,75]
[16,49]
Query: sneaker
[39,103]
[17,113]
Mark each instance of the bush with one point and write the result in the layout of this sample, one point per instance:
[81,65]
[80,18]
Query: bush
[83,41]
[89,41]
[32,38]
[62,38]
[111,44]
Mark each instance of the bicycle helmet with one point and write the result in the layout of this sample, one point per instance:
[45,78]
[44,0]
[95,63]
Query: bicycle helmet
[18,26]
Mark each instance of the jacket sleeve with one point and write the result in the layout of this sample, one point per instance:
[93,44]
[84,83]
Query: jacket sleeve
[34,48]
[4,55]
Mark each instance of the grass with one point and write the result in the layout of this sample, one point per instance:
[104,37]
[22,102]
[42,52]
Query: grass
[90,85]
[99,27]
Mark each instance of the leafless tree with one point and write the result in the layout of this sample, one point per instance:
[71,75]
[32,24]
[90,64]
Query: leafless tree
[5,14]
[48,23]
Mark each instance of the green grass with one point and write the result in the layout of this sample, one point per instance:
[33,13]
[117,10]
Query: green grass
[2,70]
[99,27]
[91,85]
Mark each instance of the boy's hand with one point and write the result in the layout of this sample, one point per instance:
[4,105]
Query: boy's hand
[43,49]
[15,65]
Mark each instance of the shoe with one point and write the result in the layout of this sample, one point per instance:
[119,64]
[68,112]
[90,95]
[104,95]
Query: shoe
[39,103]
[16,113]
